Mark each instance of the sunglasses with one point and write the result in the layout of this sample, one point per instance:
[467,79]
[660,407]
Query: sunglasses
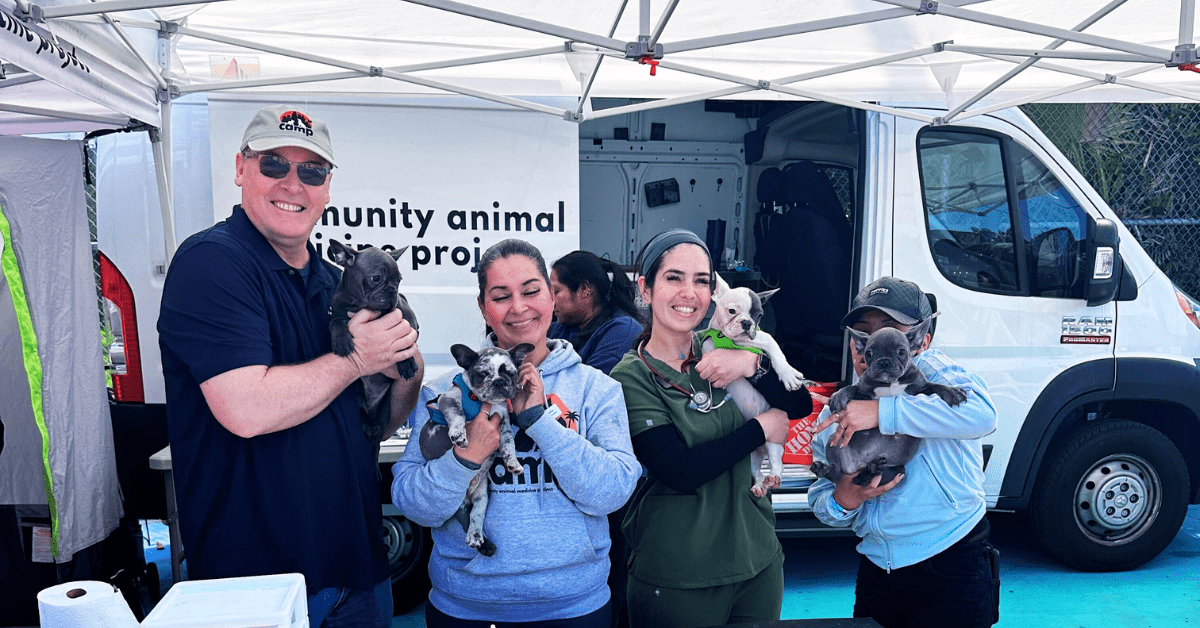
[277,167]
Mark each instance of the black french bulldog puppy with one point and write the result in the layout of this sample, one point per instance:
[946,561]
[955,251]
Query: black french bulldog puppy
[370,281]
[890,371]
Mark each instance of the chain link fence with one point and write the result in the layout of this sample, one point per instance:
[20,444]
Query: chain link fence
[1144,160]
[106,327]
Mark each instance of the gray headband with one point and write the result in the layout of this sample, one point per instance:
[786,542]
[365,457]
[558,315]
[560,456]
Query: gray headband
[661,243]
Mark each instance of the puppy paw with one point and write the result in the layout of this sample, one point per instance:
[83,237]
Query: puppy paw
[791,378]
[342,343]
[758,490]
[819,469]
[407,368]
[458,437]
[952,395]
[514,467]
[481,543]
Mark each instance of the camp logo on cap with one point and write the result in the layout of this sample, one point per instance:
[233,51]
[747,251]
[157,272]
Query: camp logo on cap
[878,291]
[293,120]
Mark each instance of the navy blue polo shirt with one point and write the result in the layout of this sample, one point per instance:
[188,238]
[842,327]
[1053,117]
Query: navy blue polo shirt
[304,499]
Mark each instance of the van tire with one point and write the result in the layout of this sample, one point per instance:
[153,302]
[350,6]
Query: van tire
[1112,497]
[408,548]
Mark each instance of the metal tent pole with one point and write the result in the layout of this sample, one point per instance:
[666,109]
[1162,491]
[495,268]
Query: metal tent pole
[797,29]
[587,89]
[1095,17]
[373,71]
[521,22]
[1036,29]
[113,6]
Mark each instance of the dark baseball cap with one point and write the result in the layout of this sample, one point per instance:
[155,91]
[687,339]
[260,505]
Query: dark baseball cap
[285,125]
[902,300]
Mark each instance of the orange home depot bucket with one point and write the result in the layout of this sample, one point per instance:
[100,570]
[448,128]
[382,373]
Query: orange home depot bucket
[798,447]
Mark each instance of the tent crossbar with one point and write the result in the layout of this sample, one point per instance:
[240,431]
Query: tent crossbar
[269,82]
[666,102]
[797,29]
[374,71]
[113,6]
[1087,74]
[334,76]
[795,91]
[467,91]
[1161,89]
[743,87]
[662,23]
[523,23]
[153,71]
[64,115]
[21,79]
[1038,29]
[284,52]
[587,89]
[1056,92]
[854,104]
[981,94]
[1079,55]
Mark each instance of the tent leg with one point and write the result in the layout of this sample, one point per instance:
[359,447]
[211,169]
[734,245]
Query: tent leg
[160,142]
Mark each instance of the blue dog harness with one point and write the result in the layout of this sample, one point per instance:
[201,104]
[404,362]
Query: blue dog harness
[471,405]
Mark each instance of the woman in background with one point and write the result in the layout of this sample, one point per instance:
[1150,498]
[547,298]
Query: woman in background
[594,308]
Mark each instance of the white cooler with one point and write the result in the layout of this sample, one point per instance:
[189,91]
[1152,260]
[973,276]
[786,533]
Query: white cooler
[276,601]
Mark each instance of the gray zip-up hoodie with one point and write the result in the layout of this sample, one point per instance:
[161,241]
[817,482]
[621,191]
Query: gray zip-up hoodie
[549,524]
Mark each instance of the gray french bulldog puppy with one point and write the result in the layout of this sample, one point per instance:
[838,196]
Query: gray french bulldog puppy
[489,376]
[890,371]
[370,281]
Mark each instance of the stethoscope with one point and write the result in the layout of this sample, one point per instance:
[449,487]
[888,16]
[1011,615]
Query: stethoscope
[700,401]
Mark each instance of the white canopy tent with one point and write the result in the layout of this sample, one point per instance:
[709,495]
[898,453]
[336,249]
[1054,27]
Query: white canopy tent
[81,66]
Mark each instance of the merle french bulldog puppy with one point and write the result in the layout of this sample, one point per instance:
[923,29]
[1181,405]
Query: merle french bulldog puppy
[370,281]
[890,371]
[488,376]
[736,316]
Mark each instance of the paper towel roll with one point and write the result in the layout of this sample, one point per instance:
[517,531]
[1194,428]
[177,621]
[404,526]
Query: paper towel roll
[84,604]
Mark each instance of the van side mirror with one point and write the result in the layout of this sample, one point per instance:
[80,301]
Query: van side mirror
[1103,263]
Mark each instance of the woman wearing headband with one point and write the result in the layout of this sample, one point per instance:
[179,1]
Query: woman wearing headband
[593,308]
[703,548]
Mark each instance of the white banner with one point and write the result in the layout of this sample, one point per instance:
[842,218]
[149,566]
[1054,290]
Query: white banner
[446,176]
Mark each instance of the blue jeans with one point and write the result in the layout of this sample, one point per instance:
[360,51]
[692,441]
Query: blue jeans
[339,607]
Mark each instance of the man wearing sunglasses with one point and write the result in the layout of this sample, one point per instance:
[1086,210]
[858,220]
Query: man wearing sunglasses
[272,471]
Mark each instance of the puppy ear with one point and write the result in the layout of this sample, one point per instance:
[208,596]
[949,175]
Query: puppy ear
[859,338]
[465,356]
[916,335]
[398,252]
[763,296]
[519,352]
[341,254]
[722,287]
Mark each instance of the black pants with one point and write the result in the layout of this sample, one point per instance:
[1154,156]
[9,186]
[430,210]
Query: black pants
[958,588]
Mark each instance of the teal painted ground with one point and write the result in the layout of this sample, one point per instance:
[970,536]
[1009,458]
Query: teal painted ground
[1037,591]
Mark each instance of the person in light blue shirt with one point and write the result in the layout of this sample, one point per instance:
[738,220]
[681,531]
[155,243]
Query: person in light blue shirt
[549,523]
[925,559]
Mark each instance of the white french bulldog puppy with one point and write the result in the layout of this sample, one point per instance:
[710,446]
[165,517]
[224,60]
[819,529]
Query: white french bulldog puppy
[490,376]
[736,317]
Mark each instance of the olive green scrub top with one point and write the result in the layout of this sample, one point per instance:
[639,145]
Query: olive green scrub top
[718,535]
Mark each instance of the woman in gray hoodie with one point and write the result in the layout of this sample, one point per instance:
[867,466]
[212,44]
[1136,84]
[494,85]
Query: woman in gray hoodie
[549,523]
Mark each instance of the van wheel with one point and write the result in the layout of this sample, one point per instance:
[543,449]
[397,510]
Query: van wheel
[1113,497]
[408,548]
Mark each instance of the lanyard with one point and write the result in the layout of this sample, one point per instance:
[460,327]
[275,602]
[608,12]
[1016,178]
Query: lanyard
[700,401]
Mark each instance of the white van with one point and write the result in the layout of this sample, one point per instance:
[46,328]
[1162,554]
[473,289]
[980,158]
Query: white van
[1091,355]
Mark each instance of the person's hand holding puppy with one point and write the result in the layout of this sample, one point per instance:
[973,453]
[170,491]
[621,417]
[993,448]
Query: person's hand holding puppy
[483,434]
[380,342]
